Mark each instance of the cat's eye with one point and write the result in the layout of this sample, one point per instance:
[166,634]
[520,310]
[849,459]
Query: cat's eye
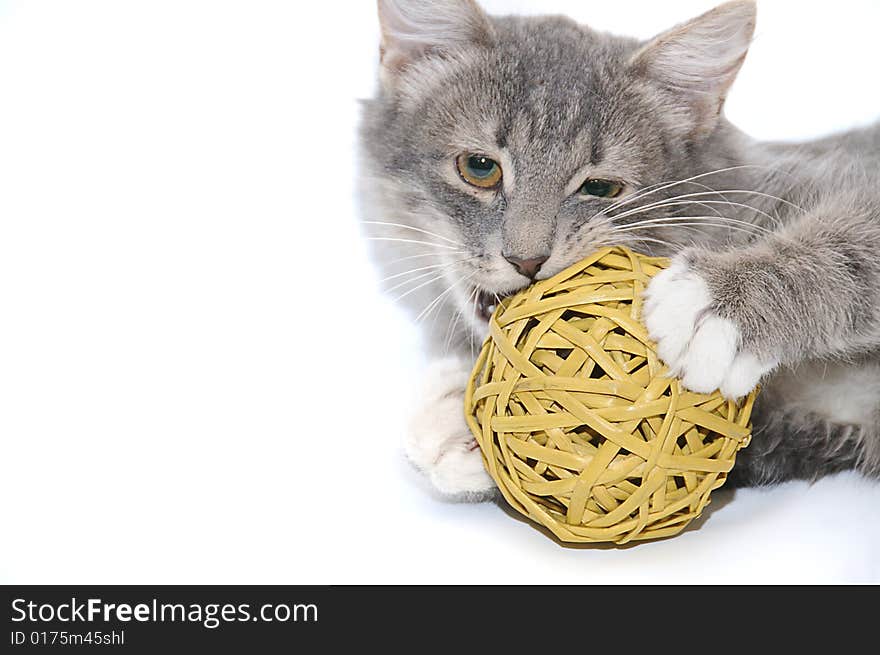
[479,170]
[601,188]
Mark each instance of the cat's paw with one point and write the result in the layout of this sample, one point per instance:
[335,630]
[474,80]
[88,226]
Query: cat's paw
[700,347]
[439,441]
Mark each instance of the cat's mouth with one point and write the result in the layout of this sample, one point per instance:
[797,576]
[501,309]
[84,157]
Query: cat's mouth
[486,302]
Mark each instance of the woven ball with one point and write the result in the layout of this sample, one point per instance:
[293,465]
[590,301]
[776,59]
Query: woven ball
[578,421]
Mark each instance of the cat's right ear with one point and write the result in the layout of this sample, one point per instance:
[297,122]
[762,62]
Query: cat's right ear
[412,29]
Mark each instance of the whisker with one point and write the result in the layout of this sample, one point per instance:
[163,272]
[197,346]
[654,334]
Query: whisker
[436,311]
[641,193]
[761,194]
[411,280]
[668,244]
[427,310]
[450,331]
[472,299]
[414,229]
[426,268]
[414,289]
[425,254]
[605,215]
[434,302]
[633,228]
[681,200]
[636,195]
[671,220]
[423,243]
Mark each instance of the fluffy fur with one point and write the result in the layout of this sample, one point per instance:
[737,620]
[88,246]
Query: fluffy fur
[775,275]
[439,441]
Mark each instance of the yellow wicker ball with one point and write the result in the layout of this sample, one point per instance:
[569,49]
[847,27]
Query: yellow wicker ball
[578,424]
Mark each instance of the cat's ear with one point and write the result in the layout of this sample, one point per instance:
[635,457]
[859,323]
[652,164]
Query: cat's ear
[412,29]
[698,61]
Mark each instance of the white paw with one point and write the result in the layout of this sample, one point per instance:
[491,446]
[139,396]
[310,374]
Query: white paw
[439,441]
[699,347]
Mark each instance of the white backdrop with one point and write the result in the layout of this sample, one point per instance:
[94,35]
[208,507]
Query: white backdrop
[199,382]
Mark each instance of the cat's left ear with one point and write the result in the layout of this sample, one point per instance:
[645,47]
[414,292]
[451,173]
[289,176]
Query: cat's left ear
[697,62]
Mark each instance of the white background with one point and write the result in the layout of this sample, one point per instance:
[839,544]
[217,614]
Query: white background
[199,382]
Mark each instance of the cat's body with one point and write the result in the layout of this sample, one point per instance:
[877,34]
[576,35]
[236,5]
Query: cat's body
[776,269]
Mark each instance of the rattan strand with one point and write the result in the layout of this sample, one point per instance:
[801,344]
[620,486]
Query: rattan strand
[578,424]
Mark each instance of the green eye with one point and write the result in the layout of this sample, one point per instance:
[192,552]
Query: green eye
[601,188]
[479,170]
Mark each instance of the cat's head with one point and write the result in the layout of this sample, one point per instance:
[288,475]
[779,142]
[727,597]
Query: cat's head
[500,141]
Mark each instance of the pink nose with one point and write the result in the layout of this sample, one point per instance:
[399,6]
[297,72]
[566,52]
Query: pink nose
[527,267]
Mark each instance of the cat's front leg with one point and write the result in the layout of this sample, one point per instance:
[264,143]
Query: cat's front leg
[700,342]
[810,290]
[439,442]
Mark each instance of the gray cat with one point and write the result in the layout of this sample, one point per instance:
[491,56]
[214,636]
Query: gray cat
[500,150]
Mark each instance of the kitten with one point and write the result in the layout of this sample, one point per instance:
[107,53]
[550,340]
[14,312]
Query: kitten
[500,150]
